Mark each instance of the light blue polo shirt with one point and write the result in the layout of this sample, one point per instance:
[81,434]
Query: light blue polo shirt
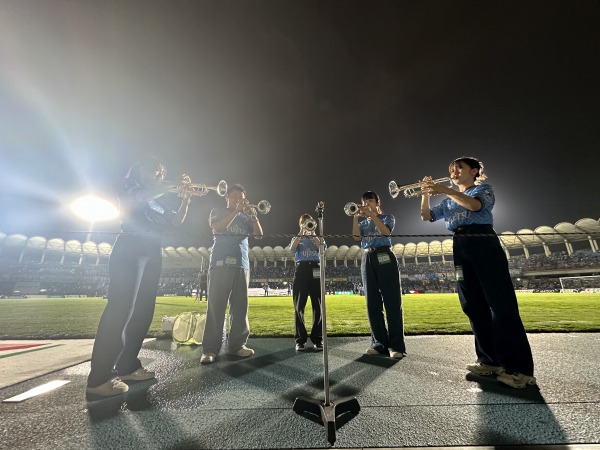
[306,250]
[230,247]
[456,216]
[367,227]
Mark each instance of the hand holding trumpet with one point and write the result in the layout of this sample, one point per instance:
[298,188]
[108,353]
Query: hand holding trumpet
[310,234]
[417,189]
[244,206]
[308,227]
[186,194]
[354,209]
[430,187]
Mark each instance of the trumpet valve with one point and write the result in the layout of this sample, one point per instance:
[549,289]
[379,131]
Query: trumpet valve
[412,192]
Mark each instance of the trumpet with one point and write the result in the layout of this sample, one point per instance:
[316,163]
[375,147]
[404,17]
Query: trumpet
[262,207]
[351,208]
[199,190]
[413,190]
[309,225]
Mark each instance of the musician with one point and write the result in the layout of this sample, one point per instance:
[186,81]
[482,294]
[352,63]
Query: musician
[380,277]
[134,270]
[229,275]
[485,289]
[307,281]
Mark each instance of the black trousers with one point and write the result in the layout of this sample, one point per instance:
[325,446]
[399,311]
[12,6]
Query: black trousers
[134,270]
[306,284]
[383,293]
[487,296]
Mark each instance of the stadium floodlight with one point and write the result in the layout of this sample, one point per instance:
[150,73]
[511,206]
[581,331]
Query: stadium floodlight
[94,209]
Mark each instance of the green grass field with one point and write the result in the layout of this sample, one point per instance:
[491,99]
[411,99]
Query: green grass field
[37,318]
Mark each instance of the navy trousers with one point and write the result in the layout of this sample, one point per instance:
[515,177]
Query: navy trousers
[134,270]
[381,281]
[488,298]
[306,284]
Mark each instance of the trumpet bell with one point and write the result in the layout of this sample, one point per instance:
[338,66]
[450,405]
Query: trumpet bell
[309,225]
[351,208]
[263,207]
[222,188]
[394,190]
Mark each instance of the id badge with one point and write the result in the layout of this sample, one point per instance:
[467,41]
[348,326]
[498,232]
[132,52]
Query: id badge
[316,273]
[230,261]
[383,258]
[458,270]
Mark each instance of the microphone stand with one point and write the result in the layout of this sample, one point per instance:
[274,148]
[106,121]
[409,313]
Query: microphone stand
[326,411]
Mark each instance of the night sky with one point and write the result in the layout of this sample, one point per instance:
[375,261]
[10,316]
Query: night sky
[299,101]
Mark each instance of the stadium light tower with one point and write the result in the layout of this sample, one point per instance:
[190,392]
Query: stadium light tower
[93,209]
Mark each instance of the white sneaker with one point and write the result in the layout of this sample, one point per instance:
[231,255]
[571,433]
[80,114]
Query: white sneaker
[112,387]
[141,374]
[484,369]
[243,351]
[372,351]
[208,358]
[397,355]
[516,379]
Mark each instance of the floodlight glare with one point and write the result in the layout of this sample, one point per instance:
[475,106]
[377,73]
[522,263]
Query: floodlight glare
[94,209]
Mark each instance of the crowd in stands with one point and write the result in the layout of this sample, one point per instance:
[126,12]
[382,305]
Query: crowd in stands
[556,261]
[71,278]
[271,271]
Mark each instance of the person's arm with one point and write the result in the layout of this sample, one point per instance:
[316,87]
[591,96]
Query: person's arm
[294,243]
[257,230]
[464,200]
[222,224]
[146,193]
[426,215]
[355,228]
[382,227]
[179,218]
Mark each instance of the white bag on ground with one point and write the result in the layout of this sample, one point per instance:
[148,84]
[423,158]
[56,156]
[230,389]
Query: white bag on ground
[167,323]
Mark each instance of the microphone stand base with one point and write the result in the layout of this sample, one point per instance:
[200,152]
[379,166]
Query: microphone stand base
[343,408]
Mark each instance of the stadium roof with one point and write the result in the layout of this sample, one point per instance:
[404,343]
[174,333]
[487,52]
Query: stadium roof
[564,233]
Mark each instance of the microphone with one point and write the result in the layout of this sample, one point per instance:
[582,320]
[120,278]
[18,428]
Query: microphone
[320,206]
